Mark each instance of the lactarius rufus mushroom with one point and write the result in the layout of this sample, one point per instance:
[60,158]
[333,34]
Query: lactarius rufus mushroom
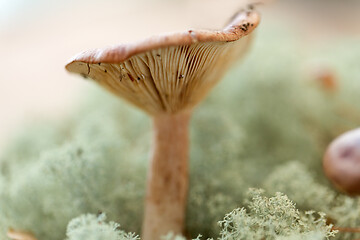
[167,76]
[342,162]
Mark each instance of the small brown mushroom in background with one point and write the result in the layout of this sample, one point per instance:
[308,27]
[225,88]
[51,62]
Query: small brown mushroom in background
[342,162]
[19,235]
[326,78]
[167,76]
[328,81]
[323,76]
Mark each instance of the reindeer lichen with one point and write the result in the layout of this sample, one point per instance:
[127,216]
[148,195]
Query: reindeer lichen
[92,227]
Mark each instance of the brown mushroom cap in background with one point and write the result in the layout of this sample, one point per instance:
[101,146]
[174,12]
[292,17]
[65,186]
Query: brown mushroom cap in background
[342,162]
[171,72]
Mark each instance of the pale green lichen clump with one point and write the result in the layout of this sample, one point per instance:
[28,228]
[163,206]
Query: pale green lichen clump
[271,218]
[265,126]
[91,227]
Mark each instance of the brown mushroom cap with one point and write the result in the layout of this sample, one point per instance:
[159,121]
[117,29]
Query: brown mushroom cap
[342,162]
[171,72]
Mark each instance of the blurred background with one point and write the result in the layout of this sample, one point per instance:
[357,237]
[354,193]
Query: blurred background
[37,38]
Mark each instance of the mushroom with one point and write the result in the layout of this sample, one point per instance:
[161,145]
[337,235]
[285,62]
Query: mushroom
[342,162]
[167,76]
[19,235]
[326,78]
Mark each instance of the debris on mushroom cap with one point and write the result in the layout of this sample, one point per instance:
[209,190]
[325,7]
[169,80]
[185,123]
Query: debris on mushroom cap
[170,72]
[342,162]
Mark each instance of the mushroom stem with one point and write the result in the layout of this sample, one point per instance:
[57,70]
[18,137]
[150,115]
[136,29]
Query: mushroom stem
[167,185]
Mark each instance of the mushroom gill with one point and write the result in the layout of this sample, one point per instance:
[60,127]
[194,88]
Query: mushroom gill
[171,78]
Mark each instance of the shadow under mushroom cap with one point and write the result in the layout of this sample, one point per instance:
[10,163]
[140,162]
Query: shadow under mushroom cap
[170,72]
